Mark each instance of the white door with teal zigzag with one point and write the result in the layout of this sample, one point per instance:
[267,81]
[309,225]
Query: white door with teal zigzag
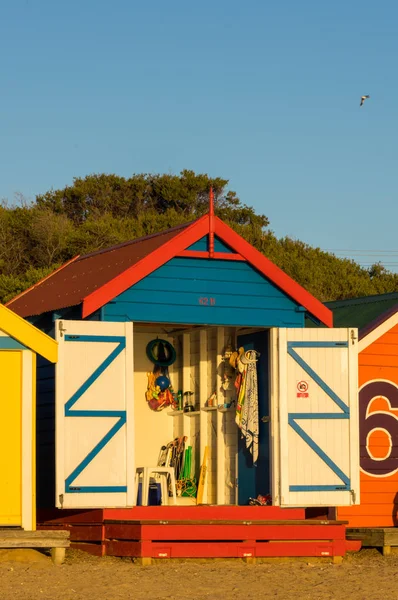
[315,431]
[94,414]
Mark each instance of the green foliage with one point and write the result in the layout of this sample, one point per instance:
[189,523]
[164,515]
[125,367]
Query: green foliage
[11,285]
[102,210]
[185,195]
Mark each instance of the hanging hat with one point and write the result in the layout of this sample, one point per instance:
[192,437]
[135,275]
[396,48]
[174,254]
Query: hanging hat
[161,352]
[235,356]
[233,359]
[250,356]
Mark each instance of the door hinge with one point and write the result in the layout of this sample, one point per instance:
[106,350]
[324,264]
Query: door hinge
[61,328]
[354,496]
[265,419]
[61,500]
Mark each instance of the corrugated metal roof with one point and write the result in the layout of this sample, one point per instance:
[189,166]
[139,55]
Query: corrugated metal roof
[70,284]
[360,312]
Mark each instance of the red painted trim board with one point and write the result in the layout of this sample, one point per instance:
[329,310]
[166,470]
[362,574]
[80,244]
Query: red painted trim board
[353,545]
[211,223]
[178,513]
[274,273]
[216,255]
[87,533]
[56,516]
[124,531]
[144,267]
[94,516]
[225,549]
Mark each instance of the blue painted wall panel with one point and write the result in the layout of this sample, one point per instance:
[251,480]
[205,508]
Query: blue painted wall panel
[221,299]
[202,245]
[45,434]
[9,343]
[200,315]
[232,288]
[206,292]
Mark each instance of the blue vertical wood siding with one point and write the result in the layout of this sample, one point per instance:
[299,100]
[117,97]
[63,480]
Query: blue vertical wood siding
[206,292]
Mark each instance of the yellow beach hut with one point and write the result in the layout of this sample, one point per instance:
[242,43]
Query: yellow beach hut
[19,343]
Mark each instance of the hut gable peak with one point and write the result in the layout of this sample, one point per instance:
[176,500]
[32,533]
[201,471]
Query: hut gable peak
[95,279]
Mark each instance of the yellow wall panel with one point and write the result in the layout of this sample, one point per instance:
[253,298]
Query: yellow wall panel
[10,437]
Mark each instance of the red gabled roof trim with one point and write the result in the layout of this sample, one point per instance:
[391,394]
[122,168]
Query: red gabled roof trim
[145,266]
[274,273]
[180,243]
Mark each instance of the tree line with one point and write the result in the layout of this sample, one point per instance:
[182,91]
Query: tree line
[101,210]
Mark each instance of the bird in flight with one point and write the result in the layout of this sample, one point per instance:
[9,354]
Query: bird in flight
[363,98]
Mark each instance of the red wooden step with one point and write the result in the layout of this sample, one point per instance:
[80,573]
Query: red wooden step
[194,531]
[353,545]
[208,512]
[82,533]
[204,512]
[94,549]
[224,549]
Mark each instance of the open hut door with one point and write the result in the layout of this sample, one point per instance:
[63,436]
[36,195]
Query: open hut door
[94,414]
[315,432]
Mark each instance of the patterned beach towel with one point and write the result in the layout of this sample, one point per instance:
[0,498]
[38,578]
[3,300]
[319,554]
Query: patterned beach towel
[249,415]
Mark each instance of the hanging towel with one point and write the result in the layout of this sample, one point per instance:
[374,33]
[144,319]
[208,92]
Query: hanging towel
[241,389]
[249,416]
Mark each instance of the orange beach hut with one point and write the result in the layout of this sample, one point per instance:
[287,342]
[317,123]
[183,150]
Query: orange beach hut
[377,320]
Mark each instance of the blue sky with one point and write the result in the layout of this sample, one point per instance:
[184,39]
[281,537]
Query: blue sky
[265,94]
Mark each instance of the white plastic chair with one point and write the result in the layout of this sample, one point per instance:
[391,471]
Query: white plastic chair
[164,473]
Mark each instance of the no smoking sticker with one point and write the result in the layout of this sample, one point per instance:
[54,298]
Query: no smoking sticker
[302,389]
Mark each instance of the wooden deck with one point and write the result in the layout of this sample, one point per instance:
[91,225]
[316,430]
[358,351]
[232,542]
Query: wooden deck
[171,512]
[202,532]
[56,541]
[375,537]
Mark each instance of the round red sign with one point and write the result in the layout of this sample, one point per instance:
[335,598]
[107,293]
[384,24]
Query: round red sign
[302,386]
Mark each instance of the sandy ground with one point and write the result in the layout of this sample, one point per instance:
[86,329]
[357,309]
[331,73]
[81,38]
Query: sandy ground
[366,576]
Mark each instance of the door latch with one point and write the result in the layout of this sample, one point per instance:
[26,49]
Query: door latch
[61,328]
[353,336]
[265,419]
[353,495]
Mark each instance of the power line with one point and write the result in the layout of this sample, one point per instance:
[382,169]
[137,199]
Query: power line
[365,252]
